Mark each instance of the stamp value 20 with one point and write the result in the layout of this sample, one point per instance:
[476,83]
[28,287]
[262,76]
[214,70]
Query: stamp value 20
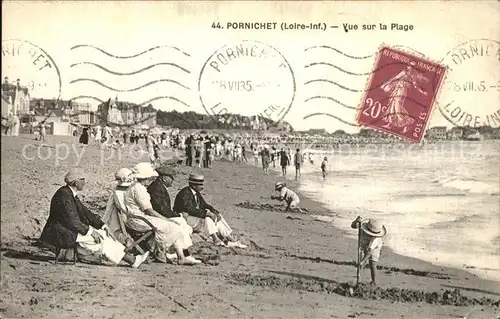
[249,78]
[400,94]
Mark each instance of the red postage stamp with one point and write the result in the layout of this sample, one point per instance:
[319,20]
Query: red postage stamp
[400,94]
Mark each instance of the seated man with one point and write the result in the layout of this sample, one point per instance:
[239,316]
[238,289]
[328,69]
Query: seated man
[72,225]
[160,200]
[201,216]
[287,195]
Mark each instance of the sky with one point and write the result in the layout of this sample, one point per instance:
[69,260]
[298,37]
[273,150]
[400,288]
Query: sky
[310,78]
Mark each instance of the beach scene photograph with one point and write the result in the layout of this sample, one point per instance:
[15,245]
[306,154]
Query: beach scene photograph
[250,159]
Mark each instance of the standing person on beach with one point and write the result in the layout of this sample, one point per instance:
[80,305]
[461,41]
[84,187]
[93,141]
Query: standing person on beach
[43,132]
[323,167]
[265,159]
[298,161]
[256,156]
[84,137]
[287,195]
[71,224]
[244,152]
[284,161]
[370,242]
[201,216]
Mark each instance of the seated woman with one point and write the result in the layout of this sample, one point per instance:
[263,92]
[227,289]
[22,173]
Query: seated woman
[137,202]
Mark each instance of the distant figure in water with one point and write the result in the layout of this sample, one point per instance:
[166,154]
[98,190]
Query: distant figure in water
[370,243]
[323,167]
[84,138]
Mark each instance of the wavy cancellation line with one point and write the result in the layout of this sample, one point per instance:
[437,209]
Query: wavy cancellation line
[129,56]
[361,57]
[141,104]
[128,90]
[329,115]
[331,99]
[407,98]
[354,73]
[372,87]
[133,72]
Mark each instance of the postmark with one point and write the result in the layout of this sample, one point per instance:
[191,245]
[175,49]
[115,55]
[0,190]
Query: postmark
[33,66]
[248,78]
[471,90]
[400,94]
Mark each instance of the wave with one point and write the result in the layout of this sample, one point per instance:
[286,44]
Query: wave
[470,186]
[128,90]
[133,72]
[141,104]
[129,56]
[361,57]
[329,115]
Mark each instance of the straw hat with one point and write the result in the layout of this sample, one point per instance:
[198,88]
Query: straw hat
[74,174]
[196,179]
[374,227]
[124,176]
[144,170]
[279,185]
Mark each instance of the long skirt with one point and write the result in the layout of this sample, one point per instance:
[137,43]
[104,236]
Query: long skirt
[167,232]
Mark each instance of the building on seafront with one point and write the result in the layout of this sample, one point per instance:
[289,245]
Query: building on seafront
[15,98]
[119,113]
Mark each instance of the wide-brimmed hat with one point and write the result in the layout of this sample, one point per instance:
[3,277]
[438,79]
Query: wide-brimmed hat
[196,179]
[74,174]
[279,185]
[124,176]
[374,227]
[144,170]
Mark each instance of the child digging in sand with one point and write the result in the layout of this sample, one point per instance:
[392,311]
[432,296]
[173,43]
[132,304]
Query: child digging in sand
[370,242]
[287,195]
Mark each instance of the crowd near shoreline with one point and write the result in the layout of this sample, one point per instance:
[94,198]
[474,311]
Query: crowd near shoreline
[322,259]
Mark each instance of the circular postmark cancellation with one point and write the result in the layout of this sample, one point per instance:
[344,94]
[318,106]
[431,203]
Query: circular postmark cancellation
[35,69]
[470,95]
[249,78]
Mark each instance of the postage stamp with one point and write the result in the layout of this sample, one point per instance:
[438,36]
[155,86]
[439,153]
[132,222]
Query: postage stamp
[248,78]
[471,90]
[400,94]
[31,67]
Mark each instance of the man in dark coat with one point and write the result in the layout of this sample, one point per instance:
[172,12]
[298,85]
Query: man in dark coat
[160,200]
[72,225]
[201,216]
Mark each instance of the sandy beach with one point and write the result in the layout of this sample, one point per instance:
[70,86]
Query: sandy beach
[296,266]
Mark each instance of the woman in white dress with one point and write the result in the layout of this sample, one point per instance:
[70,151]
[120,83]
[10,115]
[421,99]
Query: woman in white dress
[137,202]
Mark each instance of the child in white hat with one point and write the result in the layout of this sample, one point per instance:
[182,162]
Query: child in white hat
[287,195]
[372,231]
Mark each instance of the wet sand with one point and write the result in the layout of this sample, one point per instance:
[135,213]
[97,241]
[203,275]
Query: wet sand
[295,266]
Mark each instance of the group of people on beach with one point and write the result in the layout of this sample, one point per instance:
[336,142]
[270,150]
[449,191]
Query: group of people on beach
[140,202]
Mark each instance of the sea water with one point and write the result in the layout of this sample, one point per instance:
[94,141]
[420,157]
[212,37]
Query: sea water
[439,202]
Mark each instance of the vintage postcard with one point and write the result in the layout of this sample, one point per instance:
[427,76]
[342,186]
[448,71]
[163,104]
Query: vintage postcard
[250,159]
